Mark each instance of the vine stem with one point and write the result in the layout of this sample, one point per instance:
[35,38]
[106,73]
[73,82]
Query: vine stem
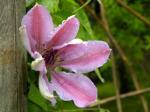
[103,22]
[122,96]
[132,11]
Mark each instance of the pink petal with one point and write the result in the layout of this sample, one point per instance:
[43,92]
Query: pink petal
[39,26]
[38,64]
[84,57]
[74,87]
[65,32]
[25,39]
[46,88]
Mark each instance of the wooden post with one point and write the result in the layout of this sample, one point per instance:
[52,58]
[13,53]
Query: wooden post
[12,57]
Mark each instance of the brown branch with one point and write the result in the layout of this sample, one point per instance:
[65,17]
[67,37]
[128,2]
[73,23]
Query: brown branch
[126,95]
[105,27]
[114,74]
[103,22]
[137,86]
[132,11]
[126,60]
[123,55]
[110,99]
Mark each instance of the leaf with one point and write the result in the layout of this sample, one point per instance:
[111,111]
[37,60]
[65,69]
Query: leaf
[99,75]
[33,107]
[35,96]
[29,3]
[104,110]
[86,24]
[81,15]
[147,39]
[51,5]
[86,3]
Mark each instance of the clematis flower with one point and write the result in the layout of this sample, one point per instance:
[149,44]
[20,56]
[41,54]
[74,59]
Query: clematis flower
[53,48]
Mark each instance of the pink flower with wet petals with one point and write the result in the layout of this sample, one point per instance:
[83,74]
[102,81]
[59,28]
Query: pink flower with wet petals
[52,48]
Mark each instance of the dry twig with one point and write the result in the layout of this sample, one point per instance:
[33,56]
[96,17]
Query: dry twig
[123,55]
[103,22]
[132,11]
[114,73]
[126,95]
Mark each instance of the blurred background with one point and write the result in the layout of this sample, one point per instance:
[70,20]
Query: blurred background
[124,82]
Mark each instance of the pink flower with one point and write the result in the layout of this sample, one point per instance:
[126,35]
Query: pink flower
[52,48]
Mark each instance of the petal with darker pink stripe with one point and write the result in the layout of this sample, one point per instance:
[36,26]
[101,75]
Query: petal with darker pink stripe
[74,87]
[39,25]
[84,57]
[65,32]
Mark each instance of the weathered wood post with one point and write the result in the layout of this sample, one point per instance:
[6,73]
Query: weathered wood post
[12,57]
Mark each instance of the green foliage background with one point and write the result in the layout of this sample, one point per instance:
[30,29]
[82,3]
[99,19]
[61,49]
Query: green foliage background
[131,34]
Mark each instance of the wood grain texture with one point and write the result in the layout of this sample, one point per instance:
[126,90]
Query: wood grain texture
[12,57]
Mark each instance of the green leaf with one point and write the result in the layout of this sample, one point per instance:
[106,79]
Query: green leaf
[147,38]
[86,24]
[99,75]
[86,3]
[29,3]
[81,15]
[33,107]
[35,96]
[51,5]
[103,110]
[106,90]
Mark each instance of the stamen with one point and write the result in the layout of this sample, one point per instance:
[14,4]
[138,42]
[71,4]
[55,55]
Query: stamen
[50,57]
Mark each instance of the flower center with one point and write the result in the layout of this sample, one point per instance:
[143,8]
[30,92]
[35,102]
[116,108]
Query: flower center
[50,57]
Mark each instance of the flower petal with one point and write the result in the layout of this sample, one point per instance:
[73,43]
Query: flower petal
[38,64]
[25,39]
[74,87]
[46,88]
[65,32]
[39,25]
[84,57]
